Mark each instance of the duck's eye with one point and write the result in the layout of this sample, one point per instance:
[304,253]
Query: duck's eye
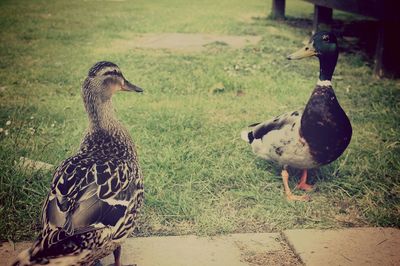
[113,73]
[325,38]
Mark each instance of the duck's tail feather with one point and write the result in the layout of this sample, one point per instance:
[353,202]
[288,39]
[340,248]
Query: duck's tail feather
[255,124]
[247,136]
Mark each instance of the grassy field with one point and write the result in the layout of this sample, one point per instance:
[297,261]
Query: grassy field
[199,176]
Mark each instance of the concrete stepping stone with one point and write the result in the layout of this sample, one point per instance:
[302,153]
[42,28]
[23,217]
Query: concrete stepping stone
[355,246]
[229,250]
[9,251]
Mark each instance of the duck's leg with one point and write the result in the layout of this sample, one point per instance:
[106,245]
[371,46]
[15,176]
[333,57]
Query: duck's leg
[302,184]
[117,256]
[288,192]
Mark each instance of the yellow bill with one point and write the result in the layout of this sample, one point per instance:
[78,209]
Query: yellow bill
[304,52]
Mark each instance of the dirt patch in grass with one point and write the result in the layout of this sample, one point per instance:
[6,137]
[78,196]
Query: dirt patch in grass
[185,42]
[280,257]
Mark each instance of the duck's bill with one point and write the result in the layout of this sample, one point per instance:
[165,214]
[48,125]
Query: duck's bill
[304,52]
[131,87]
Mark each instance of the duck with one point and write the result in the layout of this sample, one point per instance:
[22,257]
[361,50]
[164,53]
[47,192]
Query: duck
[96,194]
[312,136]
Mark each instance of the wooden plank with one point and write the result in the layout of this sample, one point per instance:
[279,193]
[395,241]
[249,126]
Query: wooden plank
[379,9]
[278,9]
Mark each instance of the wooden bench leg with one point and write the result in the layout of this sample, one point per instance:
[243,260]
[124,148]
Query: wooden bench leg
[278,9]
[387,55]
[322,15]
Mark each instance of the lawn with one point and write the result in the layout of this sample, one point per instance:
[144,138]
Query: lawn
[200,177]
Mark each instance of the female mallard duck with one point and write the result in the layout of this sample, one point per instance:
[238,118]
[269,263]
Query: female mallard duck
[95,194]
[313,136]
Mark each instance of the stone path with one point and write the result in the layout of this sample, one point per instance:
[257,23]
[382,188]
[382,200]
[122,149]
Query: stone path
[188,42]
[8,252]
[196,251]
[356,246]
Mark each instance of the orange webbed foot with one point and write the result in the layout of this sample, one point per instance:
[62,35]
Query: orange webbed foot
[288,192]
[305,187]
[303,182]
[292,197]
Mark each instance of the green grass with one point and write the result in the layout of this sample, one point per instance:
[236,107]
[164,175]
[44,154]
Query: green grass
[199,176]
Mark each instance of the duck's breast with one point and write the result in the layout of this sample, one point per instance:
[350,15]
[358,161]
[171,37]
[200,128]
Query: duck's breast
[325,126]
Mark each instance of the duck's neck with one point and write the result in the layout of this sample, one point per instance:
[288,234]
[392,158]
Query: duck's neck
[102,123]
[327,64]
[101,116]
[324,83]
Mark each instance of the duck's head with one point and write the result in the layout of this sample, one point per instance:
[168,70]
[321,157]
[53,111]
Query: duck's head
[103,80]
[323,45]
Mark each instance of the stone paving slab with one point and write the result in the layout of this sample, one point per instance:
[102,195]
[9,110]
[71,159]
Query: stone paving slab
[9,252]
[355,246]
[196,251]
[229,250]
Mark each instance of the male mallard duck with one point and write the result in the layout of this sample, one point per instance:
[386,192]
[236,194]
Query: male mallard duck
[310,137]
[95,194]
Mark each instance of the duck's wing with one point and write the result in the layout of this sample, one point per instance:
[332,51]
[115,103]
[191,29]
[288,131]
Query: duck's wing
[91,193]
[259,130]
[91,202]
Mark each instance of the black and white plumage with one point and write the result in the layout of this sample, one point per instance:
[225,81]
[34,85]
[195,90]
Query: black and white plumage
[278,140]
[310,137]
[96,194]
